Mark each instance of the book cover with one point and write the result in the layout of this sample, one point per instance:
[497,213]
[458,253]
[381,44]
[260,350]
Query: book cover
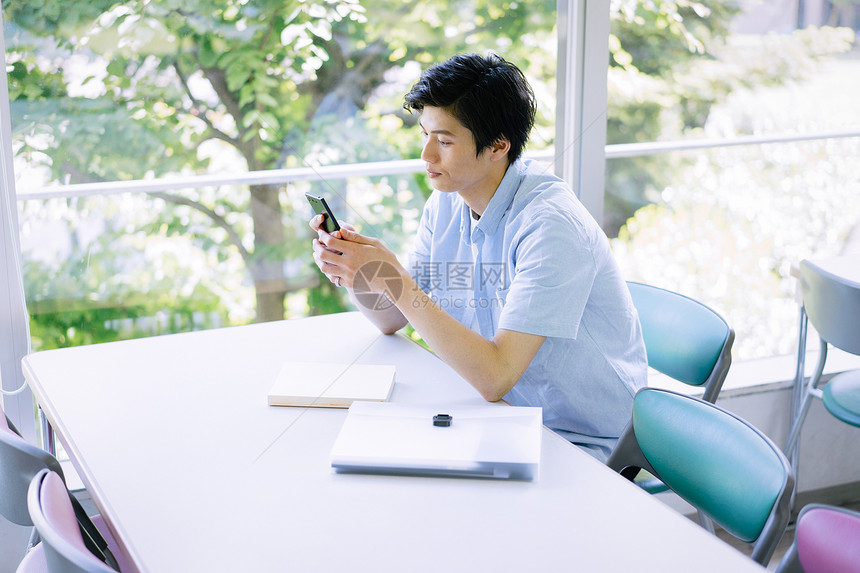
[328,385]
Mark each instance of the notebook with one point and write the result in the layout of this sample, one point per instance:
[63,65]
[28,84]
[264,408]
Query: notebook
[491,441]
[328,385]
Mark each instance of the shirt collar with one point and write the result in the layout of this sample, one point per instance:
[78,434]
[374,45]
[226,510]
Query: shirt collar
[501,200]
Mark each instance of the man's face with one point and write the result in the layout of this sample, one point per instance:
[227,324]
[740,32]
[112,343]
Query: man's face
[449,154]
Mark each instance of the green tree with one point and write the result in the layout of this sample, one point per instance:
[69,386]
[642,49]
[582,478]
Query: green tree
[288,83]
[274,80]
[654,47]
[671,63]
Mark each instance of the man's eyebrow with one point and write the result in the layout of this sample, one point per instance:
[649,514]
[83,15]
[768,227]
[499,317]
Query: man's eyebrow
[439,131]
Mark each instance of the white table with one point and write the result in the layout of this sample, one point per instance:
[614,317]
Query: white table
[194,472]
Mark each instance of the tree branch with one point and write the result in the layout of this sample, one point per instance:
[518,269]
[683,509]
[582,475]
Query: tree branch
[201,108]
[218,81]
[234,238]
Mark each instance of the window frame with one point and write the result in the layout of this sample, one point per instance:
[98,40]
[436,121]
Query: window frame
[581,99]
[580,135]
[579,157]
[14,321]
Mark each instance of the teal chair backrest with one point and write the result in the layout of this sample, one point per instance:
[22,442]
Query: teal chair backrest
[684,339]
[717,462]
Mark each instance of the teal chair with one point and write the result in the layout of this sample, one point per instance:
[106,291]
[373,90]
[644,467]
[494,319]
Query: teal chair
[720,464]
[832,304]
[685,340]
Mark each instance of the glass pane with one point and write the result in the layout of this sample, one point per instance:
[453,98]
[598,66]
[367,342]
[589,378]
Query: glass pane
[725,225]
[107,96]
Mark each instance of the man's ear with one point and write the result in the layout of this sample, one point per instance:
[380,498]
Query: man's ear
[499,149]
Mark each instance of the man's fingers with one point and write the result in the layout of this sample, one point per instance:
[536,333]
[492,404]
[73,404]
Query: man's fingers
[355,237]
[316,222]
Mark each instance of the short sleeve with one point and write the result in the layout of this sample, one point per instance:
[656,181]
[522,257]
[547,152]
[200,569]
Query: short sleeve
[554,271]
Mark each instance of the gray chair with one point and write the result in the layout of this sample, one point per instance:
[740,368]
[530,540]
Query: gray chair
[685,340]
[832,304]
[62,549]
[20,461]
[720,464]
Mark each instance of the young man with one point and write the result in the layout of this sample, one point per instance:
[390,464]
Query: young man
[511,280]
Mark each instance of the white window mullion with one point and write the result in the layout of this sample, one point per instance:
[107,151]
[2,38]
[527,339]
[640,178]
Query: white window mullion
[583,60]
[14,332]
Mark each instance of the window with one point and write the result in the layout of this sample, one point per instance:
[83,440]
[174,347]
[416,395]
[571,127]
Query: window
[732,135]
[162,154]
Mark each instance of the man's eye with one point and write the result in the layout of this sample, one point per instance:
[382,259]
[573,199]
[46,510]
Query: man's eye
[444,143]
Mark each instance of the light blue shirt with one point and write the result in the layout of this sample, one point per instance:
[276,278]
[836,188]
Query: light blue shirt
[537,262]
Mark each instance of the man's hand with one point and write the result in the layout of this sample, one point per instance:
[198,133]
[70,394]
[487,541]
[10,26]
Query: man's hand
[316,224]
[366,267]
[343,254]
[346,253]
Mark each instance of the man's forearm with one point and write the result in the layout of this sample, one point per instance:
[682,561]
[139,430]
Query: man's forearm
[491,368]
[380,311]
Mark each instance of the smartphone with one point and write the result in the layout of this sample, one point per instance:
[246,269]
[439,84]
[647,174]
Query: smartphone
[320,207]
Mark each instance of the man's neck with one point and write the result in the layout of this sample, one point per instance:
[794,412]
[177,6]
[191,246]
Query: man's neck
[479,199]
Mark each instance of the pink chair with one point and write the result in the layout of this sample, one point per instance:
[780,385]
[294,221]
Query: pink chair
[62,549]
[827,540]
[20,461]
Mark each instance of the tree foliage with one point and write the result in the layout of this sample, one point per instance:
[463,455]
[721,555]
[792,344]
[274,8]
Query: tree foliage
[271,83]
[671,63]
[113,90]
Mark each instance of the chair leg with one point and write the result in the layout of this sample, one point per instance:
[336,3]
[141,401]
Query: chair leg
[47,435]
[34,539]
[799,377]
[797,394]
[706,522]
[790,449]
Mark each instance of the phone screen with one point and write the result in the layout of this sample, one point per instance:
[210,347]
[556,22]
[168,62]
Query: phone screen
[320,207]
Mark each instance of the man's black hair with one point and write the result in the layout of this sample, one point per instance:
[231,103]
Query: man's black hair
[487,94]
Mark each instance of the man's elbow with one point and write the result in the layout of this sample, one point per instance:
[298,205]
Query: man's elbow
[497,391]
[392,325]
[386,322]
[492,395]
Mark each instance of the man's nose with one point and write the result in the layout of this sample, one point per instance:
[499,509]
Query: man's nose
[427,153]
